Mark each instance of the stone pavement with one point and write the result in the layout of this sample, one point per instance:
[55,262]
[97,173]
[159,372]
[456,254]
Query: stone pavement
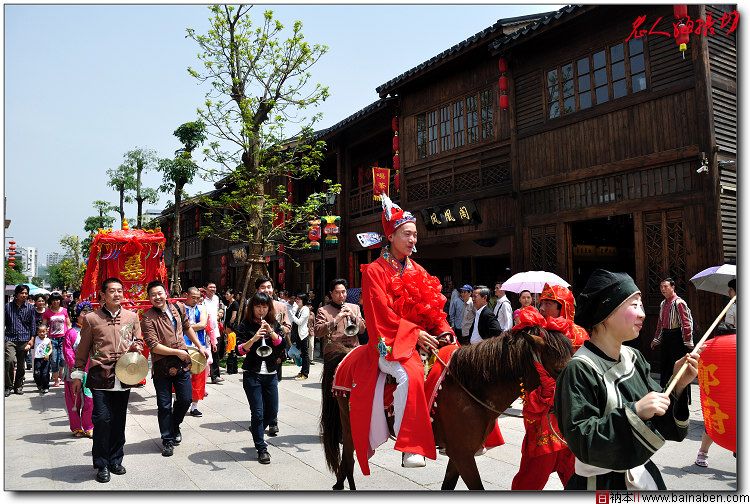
[217,451]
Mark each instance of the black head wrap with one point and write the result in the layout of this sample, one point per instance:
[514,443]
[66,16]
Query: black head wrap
[604,293]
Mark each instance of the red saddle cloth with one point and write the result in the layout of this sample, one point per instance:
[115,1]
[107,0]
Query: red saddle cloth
[343,382]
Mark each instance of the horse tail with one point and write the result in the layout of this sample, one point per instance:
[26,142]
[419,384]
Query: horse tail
[330,419]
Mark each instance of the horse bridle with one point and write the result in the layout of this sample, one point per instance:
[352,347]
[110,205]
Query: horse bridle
[536,357]
[470,394]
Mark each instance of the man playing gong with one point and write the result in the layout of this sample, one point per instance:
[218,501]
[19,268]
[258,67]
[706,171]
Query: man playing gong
[106,335]
[163,326]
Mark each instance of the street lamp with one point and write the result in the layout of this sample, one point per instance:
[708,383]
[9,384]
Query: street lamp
[330,201]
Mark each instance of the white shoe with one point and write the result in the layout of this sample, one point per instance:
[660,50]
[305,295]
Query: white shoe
[412,460]
[480,452]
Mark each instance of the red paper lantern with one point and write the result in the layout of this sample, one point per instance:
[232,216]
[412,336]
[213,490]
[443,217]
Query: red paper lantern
[282,277]
[504,102]
[282,263]
[680,11]
[397,182]
[502,65]
[502,83]
[314,233]
[396,162]
[394,124]
[682,37]
[395,143]
[717,377]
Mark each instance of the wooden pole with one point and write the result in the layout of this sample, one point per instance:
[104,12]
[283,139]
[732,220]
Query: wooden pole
[681,371]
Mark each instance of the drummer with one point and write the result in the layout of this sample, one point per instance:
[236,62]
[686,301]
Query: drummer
[106,334]
[163,326]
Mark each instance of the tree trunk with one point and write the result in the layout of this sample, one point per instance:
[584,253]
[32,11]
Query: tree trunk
[176,287]
[122,206]
[138,198]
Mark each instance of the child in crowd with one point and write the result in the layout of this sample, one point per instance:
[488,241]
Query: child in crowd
[42,351]
[80,406]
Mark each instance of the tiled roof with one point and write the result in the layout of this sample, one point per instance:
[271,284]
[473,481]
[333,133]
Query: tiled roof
[374,106]
[482,36]
[549,20]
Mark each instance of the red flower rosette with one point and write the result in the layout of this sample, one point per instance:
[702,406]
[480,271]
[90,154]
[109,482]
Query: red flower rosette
[417,297]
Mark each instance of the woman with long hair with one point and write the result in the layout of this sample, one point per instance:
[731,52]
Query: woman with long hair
[58,322]
[259,341]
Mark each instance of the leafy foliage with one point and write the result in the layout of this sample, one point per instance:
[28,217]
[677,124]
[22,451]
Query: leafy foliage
[68,273]
[260,87]
[13,276]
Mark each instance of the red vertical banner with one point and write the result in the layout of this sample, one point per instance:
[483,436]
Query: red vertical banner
[380,181]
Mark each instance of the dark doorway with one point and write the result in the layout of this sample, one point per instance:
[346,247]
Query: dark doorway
[607,243]
[491,269]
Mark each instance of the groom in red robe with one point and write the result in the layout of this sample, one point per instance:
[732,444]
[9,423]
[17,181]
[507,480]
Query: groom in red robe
[403,311]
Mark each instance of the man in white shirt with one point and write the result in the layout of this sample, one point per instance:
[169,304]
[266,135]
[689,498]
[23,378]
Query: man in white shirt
[211,303]
[503,311]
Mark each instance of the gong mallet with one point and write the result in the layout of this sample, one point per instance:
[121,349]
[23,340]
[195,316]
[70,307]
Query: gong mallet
[673,381]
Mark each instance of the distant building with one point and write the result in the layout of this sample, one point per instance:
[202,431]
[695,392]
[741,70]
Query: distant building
[29,256]
[53,258]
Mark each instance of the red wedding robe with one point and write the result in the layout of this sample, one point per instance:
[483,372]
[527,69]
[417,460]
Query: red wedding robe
[401,335]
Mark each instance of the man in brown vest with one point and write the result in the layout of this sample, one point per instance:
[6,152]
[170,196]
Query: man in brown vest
[333,318]
[106,334]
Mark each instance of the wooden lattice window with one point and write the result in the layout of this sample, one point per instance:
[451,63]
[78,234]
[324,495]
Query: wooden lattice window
[543,248]
[421,136]
[432,133]
[445,128]
[487,101]
[472,119]
[664,242]
[458,124]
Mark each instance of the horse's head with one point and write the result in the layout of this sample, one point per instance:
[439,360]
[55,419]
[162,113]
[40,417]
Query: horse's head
[552,348]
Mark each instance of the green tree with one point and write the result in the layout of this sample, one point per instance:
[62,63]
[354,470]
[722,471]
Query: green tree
[260,86]
[101,221]
[68,273]
[37,280]
[177,173]
[141,161]
[13,276]
[122,180]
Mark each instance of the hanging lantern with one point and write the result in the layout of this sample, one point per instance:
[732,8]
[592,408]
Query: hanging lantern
[314,233]
[680,11]
[717,377]
[502,83]
[314,245]
[394,124]
[396,162]
[502,65]
[504,102]
[395,142]
[332,239]
[397,181]
[197,219]
[682,38]
[331,225]
[282,263]
[282,277]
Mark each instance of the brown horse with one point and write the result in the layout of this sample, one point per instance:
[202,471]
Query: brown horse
[492,371]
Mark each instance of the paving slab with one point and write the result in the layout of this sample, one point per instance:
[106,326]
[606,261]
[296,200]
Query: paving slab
[217,452]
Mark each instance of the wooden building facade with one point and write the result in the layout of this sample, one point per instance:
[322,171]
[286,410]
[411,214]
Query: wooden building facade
[614,152]
[595,163]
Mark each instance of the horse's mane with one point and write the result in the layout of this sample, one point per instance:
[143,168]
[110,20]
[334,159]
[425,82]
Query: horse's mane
[502,358]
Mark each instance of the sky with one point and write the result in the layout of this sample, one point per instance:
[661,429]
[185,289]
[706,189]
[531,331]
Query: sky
[84,84]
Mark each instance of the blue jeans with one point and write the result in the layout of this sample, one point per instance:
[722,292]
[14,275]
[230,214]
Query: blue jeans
[262,393]
[170,417]
[57,358]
